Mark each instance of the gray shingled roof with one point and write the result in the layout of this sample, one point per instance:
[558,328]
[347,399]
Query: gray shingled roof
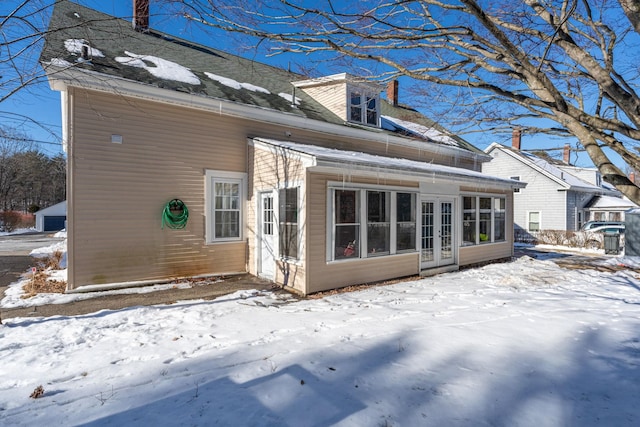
[113,37]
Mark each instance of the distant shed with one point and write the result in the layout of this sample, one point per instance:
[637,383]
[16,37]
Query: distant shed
[53,218]
[632,233]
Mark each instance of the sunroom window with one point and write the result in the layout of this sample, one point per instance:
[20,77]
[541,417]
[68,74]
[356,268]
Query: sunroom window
[370,223]
[483,220]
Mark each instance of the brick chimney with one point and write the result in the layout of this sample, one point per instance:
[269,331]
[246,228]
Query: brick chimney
[632,176]
[566,154]
[141,15]
[392,92]
[516,138]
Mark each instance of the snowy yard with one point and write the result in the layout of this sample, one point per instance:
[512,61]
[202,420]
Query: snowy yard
[525,343]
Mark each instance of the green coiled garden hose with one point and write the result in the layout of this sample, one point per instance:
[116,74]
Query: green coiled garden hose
[175,214]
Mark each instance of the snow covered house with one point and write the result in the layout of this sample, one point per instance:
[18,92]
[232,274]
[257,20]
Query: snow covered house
[558,196]
[185,160]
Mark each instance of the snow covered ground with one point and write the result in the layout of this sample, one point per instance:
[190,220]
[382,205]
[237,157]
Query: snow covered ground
[525,343]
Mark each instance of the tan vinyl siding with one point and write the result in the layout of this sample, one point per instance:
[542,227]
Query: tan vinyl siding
[119,190]
[331,96]
[481,253]
[269,170]
[323,275]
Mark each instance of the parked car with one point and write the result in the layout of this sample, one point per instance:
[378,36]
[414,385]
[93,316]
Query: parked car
[594,237]
[589,225]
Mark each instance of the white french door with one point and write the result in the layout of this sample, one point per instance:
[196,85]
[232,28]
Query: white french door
[266,237]
[438,232]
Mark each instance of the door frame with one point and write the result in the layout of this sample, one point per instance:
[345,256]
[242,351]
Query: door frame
[260,270]
[438,259]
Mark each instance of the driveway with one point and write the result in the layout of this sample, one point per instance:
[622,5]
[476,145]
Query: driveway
[14,255]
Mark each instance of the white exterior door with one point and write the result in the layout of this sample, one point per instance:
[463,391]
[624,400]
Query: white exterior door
[438,232]
[266,237]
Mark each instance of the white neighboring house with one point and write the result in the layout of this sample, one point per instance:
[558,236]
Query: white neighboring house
[53,218]
[558,196]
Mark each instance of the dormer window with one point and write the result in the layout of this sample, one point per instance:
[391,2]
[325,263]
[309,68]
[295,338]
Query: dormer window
[363,107]
[352,99]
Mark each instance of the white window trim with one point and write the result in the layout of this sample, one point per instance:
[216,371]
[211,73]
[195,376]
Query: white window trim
[393,232]
[517,178]
[212,176]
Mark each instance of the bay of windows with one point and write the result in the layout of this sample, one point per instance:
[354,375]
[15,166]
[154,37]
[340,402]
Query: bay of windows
[370,223]
[483,219]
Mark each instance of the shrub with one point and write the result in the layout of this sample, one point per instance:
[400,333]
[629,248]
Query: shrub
[9,220]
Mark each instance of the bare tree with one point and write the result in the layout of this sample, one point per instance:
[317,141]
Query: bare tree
[567,62]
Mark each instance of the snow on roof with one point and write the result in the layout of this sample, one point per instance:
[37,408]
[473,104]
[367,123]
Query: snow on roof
[161,68]
[570,179]
[59,62]
[398,165]
[235,84]
[421,130]
[76,45]
[289,98]
[612,202]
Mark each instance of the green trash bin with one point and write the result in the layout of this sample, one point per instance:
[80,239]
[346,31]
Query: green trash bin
[612,243]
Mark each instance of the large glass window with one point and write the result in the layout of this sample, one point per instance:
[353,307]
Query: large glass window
[378,223]
[368,223]
[406,221]
[225,206]
[288,221]
[483,219]
[347,224]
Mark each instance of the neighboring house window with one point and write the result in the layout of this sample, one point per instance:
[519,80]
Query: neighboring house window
[363,108]
[615,216]
[599,216]
[515,178]
[388,219]
[225,206]
[534,221]
[483,219]
[288,219]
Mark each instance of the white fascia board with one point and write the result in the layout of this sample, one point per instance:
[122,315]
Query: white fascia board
[307,160]
[435,177]
[60,79]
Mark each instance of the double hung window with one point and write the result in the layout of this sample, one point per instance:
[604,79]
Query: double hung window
[225,206]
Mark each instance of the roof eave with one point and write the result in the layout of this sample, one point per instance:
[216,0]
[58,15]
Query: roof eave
[62,78]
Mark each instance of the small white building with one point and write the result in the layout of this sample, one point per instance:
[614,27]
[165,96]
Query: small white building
[53,218]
